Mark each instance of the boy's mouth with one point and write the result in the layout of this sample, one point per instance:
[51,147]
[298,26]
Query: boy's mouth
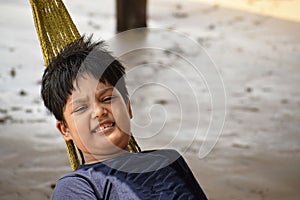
[103,127]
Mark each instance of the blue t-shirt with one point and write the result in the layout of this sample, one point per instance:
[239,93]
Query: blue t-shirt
[160,174]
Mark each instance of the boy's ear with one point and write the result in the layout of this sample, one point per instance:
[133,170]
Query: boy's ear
[64,130]
[129,109]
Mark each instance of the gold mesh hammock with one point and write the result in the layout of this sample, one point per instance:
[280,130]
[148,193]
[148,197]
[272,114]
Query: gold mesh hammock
[55,30]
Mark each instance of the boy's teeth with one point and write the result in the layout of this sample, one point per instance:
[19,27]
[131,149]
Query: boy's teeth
[106,126]
[101,128]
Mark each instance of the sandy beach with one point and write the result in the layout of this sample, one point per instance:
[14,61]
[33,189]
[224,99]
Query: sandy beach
[257,56]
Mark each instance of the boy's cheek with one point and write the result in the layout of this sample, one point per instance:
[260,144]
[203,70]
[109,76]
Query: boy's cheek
[80,119]
[124,126]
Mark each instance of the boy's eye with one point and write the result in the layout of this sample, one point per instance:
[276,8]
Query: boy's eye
[108,99]
[80,108]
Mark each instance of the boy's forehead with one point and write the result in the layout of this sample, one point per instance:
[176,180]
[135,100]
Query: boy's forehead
[89,83]
[87,88]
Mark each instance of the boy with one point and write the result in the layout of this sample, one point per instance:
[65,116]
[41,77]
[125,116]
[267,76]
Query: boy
[84,88]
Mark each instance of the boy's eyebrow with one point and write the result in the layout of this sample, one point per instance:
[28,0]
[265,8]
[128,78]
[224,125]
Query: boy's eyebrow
[83,99]
[103,91]
[78,100]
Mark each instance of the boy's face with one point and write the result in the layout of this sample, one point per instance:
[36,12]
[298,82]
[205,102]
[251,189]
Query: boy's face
[97,120]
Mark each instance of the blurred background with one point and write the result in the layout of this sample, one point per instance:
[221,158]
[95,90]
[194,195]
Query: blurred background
[254,44]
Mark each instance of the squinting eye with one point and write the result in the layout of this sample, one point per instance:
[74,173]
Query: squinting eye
[108,99]
[81,108]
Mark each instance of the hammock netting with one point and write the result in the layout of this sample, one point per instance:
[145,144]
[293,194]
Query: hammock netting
[55,30]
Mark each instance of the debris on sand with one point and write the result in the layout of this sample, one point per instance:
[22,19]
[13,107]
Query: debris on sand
[161,101]
[249,89]
[22,93]
[13,72]
[4,119]
[179,13]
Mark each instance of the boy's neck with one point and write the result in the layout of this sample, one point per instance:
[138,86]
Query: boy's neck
[92,159]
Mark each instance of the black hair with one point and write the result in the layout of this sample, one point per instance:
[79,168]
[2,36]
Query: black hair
[73,61]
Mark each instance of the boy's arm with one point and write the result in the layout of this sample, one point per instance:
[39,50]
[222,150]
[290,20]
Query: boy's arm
[72,187]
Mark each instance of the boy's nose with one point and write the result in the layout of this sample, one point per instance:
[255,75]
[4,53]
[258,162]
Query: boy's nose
[99,111]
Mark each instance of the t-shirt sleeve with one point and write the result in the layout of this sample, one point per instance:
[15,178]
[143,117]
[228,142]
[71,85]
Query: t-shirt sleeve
[190,179]
[73,187]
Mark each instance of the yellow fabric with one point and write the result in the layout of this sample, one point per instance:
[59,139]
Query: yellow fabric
[55,30]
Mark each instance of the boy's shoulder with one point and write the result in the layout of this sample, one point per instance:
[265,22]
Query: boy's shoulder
[135,174]
[129,163]
[145,161]
[141,162]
